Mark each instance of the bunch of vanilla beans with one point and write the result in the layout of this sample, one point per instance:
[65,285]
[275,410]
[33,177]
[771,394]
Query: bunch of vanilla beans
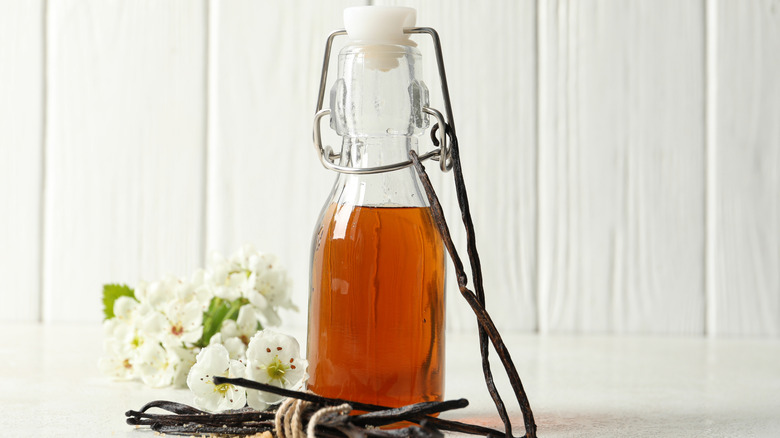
[329,418]
[186,420]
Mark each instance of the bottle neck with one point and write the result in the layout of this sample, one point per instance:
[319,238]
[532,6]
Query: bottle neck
[369,100]
[398,188]
[365,152]
[377,107]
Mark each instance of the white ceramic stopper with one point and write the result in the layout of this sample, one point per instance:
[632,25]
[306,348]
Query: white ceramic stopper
[379,24]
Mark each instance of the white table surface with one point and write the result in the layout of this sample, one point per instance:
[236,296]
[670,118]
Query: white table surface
[578,385]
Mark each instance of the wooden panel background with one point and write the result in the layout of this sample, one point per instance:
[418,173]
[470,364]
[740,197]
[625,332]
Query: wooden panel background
[623,158]
[21,137]
[621,166]
[125,147]
[745,142]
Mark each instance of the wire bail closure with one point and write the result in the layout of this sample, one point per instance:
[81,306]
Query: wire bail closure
[442,153]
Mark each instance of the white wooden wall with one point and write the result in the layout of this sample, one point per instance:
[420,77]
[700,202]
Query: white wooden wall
[622,157]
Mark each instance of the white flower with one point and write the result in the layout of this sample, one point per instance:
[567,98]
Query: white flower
[125,308]
[235,335]
[159,366]
[117,367]
[194,289]
[226,278]
[199,289]
[179,323]
[254,276]
[271,284]
[236,349]
[274,358]
[214,361]
[154,294]
[159,294]
[122,339]
[182,368]
[244,327]
[117,362]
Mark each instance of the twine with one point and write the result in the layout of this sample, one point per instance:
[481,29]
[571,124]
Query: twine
[341,409]
[288,422]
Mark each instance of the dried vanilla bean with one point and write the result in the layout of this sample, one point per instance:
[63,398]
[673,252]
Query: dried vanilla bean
[448,425]
[187,420]
[307,396]
[476,301]
[176,408]
[389,416]
[422,431]
[191,429]
[476,265]
[212,419]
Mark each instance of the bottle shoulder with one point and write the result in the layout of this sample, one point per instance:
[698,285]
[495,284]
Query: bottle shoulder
[354,222]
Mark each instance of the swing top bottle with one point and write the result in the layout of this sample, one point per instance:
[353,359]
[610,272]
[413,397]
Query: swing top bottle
[376,309]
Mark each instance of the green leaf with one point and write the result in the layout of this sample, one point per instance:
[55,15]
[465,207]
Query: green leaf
[219,310]
[235,306]
[212,320]
[110,294]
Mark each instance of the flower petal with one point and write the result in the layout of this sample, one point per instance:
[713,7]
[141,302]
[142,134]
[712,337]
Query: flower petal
[199,381]
[124,307]
[229,329]
[254,400]
[234,398]
[213,359]
[246,321]
[235,347]
[257,299]
[156,366]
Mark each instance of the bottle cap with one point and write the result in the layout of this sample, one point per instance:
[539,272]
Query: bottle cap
[379,24]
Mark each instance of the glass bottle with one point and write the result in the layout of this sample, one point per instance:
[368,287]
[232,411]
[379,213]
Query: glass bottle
[376,309]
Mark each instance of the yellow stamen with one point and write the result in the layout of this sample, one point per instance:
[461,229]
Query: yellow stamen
[223,388]
[276,369]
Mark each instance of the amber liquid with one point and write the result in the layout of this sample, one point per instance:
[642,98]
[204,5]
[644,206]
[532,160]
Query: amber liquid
[376,314]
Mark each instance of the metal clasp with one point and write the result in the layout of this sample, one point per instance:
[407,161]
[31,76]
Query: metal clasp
[328,157]
[442,154]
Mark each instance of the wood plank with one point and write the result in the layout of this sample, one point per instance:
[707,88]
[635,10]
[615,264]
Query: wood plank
[265,184]
[490,56]
[621,166]
[745,140]
[21,141]
[126,146]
